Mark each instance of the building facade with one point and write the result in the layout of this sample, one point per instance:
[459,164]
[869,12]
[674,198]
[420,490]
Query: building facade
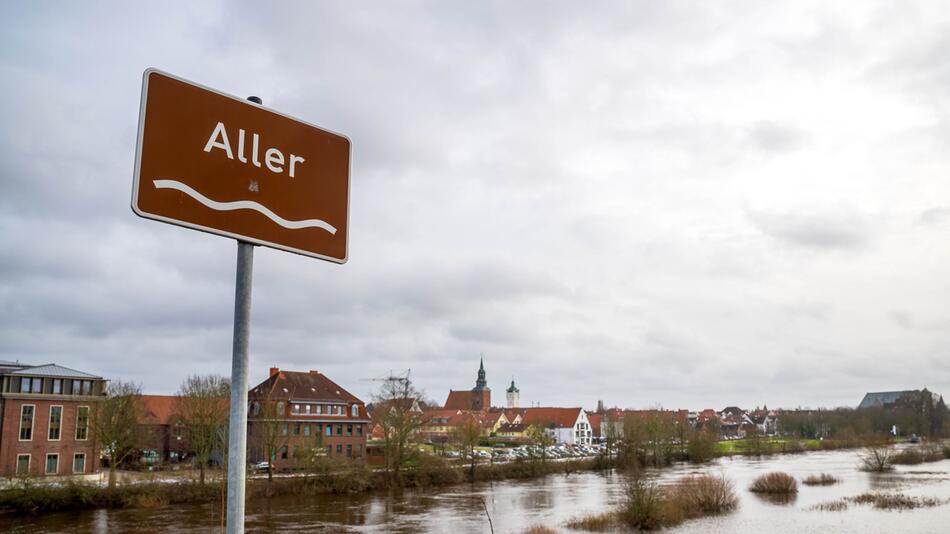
[478,398]
[296,416]
[45,414]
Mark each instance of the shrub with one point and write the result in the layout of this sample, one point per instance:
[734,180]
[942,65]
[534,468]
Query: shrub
[604,522]
[775,483]
[877,458]
[823,479]
[701,447]
[643,503]
[539,529]
[702,495]
[908,456]
[432,471]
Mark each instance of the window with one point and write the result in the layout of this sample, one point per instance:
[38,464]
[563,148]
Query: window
[55,422]
[57,386]
[349,451]
[339,430]
[283,452]
[25,385]
[307,409]
[329,450]
[339,449]
[359,450]
[329,430]
[297,429]
[79,462]
[87,387]
[255,408]
[23,464]
[359,430]
[349,430]
[306,429]
[355,410]
[37,386]
[82,423]
[52,464]
[283,429]
[317,409]
[26,422]
[295,408]
[339,410]
[280,408]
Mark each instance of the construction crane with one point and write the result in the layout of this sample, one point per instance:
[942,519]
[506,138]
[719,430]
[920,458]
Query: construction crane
[402,377]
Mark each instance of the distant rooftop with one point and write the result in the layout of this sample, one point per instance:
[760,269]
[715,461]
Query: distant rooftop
[50,369]
[883,398]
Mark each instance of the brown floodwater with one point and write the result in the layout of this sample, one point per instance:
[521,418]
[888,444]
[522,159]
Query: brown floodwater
[550,501]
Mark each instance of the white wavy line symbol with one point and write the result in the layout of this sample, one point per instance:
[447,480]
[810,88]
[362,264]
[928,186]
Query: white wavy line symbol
[243,205]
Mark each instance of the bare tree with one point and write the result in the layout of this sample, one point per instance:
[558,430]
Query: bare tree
[467,436]
[877,456]
[115,423]
[268,428]
[540,437]
[203,405]
[396,412]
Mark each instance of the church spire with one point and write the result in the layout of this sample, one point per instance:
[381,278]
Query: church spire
[481,383]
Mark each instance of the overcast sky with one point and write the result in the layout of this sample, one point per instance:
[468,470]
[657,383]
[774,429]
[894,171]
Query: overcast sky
[685,204]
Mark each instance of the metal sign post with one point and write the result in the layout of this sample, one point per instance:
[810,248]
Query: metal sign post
[216,163]
[237,430]
[237,424]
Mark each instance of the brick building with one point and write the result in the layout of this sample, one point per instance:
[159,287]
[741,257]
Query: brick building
[45,412]
[309,414]
[477,398]
[162,433]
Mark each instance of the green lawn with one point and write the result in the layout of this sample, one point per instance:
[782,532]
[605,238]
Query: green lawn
[740,446]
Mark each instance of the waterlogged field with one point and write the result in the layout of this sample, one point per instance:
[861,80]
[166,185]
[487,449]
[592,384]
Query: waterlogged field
[552,501]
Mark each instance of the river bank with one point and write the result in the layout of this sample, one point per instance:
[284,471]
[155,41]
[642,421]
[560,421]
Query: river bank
[552,501]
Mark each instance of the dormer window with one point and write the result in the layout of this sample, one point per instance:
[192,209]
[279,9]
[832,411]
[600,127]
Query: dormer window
[355,410]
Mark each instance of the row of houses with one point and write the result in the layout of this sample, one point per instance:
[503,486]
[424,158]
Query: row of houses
[46,410]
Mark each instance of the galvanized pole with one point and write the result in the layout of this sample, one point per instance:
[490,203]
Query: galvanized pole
[237,430]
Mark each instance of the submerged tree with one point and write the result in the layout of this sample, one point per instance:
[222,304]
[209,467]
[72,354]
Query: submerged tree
[203,405]
[115,423]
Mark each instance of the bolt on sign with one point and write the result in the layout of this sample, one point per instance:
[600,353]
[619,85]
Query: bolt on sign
[221,164]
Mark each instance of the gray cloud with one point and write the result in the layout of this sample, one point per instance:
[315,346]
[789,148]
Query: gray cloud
[559,188]
[841,231]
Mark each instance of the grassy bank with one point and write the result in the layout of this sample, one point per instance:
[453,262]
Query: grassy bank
[31,497]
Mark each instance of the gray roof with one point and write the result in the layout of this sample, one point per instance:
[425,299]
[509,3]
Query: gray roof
[51,369]
[882,398]
[8,363]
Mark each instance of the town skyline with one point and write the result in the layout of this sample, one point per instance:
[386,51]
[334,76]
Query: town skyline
[645,204]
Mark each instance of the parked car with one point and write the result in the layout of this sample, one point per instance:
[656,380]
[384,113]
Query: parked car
[261,467]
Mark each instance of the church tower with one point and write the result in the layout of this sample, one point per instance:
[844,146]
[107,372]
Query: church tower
[481,394]
[513,394]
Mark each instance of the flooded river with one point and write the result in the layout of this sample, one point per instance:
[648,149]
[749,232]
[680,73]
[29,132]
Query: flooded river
[517,505]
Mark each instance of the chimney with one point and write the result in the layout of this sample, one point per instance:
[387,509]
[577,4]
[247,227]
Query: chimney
[274,371]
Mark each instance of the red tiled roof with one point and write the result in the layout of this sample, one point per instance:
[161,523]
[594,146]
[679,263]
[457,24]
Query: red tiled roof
[458,400]
[158,409]
[560,417]
[313,386]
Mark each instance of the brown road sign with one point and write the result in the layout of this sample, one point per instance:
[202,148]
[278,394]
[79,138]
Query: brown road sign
[221,164]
